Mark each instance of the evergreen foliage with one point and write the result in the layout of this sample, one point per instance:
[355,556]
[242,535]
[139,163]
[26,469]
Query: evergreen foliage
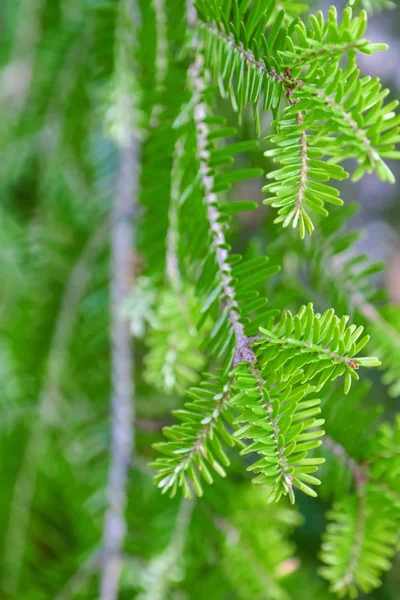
[255,346]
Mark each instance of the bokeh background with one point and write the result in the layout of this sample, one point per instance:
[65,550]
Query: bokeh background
[57,172]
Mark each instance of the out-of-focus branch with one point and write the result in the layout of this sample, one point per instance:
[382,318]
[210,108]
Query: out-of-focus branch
[358,471]
[122,246]
[122,411]
[159,573]
[47,409]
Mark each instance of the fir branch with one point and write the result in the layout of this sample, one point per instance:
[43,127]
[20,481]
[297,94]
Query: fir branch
[210,401]
[48,405]
[122,410]
[247,55]
[361,473]
[273,421]
[304,170]
[359,542]
[160,572]
[243,351]
[313,349]
[172,266]
[348,578]
[339,110]
[307,337]
[308,55]
[161,57]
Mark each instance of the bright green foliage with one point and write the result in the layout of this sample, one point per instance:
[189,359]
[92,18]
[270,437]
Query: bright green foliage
[359,543]
[256,558]
[174,360]
[323,346]
[385,329]
[384,458]
[298,182]
[362,535]
[277,420]
[276,412]
[239,327]
[372,5]
[195,443]
[333,113]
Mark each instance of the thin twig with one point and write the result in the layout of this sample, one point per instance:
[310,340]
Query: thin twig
[122,411]
[172,269]
[47,410]
[161,57]
[285,79]
[122,245]
[304,169]
[243,350]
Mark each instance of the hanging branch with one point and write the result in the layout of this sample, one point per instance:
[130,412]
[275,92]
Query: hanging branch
[159,573]
[243,351]
[172,266]
[122,411]
[122,244]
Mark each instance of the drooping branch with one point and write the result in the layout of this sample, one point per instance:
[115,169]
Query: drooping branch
[342,114]
[359,537]
[157,576]
[122,411]
[360,472]
[243,350]
[172,266]
[247,55]
[304,170]
[122,244]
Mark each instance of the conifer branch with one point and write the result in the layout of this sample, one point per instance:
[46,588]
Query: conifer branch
[161,56]
[123,238]
[159,573]
[359,536]
[122,410]
[172,266]
[243,350]
[308,55]
[273,421]
[313,349]
[210,422]
[347,118]
[304,170]
[247,55]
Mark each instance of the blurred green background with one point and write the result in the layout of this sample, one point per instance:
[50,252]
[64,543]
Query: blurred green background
[57,173]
